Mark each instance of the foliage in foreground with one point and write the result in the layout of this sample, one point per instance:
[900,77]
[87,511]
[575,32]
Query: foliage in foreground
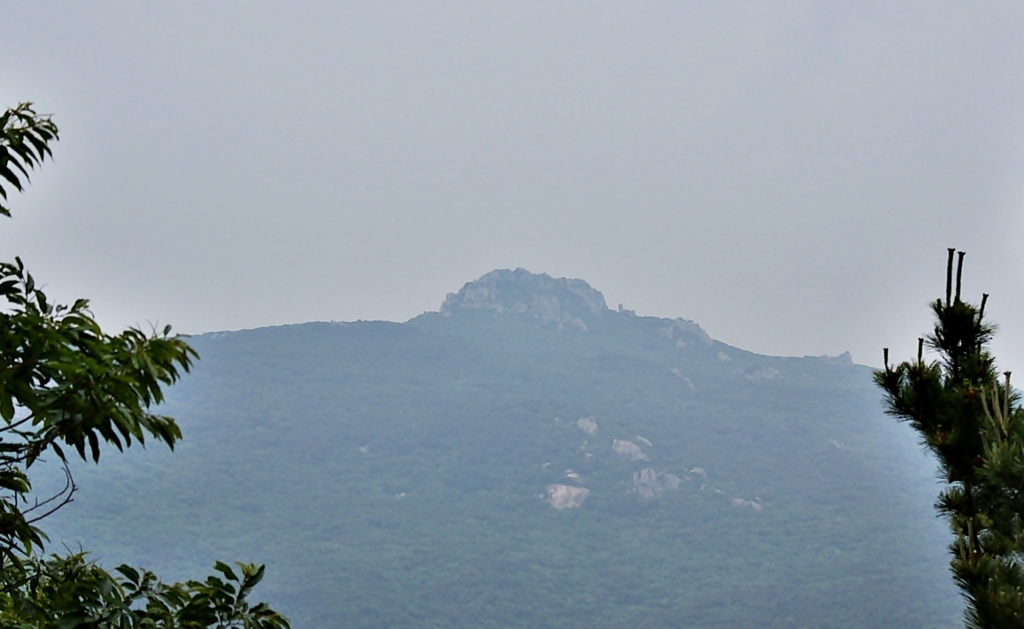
[66,386]
[70,591]
[970,421]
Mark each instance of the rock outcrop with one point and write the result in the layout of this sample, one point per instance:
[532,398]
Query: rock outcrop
[561,301]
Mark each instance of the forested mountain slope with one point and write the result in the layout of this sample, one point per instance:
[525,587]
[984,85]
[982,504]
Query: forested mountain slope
[527,457]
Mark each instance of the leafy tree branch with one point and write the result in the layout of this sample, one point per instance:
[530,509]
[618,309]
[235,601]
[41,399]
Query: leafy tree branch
[66,388]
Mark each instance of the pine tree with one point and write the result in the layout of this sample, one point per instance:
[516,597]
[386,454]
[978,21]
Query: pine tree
[970,420]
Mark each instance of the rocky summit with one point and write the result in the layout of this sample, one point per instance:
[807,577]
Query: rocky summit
[561,301]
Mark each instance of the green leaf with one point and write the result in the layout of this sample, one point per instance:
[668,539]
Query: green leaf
[226,570]
[130,573]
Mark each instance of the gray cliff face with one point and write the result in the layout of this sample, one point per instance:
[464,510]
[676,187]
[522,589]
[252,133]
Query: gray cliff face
[561,301]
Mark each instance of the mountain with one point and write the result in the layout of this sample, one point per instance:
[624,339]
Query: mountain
[527,457]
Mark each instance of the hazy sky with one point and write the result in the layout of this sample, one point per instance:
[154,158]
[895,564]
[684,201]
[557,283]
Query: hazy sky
[787,174]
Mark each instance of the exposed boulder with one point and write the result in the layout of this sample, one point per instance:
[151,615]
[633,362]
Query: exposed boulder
[566,496]
[628,450]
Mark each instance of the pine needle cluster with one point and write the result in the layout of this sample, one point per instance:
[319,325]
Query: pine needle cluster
[970,419]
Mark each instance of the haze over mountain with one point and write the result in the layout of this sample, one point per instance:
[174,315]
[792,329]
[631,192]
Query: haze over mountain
[787,173]
[528,457]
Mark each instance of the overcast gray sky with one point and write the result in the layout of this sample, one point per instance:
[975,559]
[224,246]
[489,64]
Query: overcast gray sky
[787,174]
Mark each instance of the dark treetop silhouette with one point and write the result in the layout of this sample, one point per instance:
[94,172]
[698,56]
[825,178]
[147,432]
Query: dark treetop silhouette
[969,420]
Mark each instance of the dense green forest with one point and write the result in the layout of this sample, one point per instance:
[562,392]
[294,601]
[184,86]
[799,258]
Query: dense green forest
[527,457]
